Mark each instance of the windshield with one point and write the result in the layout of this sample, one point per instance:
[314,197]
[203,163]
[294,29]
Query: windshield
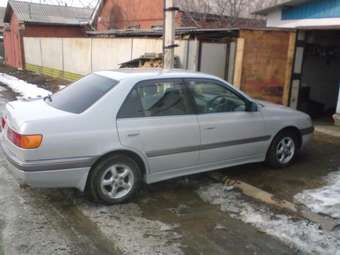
[82,94]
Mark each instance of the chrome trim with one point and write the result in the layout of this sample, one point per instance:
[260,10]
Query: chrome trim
[160,153]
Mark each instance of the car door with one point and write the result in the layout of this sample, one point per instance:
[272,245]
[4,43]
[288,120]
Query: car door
[229,132]
[158,120]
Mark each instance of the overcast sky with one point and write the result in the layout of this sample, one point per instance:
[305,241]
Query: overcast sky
[79,3]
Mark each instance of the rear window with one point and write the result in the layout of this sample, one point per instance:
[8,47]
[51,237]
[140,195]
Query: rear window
[82,94]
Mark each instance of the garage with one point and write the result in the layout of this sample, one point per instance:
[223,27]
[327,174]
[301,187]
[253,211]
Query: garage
[320,76]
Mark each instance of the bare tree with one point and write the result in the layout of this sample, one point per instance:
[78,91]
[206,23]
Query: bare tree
[222,12]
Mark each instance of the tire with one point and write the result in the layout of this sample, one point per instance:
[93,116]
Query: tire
[283,149]
[114,180]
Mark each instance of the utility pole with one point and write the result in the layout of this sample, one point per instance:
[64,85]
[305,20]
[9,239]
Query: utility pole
[169,34]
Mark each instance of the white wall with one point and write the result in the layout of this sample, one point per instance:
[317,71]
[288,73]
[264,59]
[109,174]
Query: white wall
[109,53]
[52,53]
[338,107]
[86,55]
[274,20]
[32,49]
[77,55]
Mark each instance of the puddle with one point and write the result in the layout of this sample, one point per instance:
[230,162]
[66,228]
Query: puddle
[203,227]
[130,231]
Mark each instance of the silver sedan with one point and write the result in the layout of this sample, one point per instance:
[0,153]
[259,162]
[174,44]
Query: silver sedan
[113,130]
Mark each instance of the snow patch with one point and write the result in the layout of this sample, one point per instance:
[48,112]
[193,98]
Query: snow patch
[25,89]
[300,234]
[325,200]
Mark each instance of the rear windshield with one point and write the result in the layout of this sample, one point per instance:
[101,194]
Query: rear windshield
[82,94]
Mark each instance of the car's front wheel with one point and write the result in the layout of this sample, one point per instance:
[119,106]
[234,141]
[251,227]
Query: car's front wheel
[283,150]
[114,180]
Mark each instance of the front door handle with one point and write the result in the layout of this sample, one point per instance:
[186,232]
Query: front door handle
[210,128]
[133,134]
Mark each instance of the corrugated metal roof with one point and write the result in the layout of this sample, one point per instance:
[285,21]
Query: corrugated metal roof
[159,32]
[48,14]
[272,8]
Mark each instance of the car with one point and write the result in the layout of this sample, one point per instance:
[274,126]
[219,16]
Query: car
[111,131]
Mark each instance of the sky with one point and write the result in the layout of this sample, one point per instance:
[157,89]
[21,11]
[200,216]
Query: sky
[78,3]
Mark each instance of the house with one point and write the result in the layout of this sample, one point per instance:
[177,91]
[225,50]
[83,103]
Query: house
[148,14]
[315,76]
[25,19]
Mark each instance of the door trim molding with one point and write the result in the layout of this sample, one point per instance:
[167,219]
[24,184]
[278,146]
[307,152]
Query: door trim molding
[159,153]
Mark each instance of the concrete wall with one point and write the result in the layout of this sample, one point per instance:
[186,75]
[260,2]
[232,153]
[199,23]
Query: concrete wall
[80,56]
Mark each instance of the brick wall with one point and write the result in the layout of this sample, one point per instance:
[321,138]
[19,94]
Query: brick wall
[265,64]
[123,14]
[13,44]
[53,31]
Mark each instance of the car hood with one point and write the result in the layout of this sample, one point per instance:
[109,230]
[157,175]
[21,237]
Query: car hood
[269,105]
[19,112]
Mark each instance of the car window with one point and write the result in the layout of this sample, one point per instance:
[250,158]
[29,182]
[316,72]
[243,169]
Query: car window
[132,107]
[79,96]
[211,97]
[156,98]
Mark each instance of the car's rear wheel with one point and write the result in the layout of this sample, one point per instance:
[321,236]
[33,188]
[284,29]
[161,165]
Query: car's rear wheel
[283,150]
[114,180]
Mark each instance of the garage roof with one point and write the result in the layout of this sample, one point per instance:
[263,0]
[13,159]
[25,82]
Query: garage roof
[47,14]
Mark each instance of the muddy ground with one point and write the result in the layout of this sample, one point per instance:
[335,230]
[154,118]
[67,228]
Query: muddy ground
[165,218]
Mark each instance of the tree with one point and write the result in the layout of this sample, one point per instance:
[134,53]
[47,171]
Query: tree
[224,12]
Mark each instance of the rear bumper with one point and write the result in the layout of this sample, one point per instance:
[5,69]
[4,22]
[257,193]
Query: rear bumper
[47,174]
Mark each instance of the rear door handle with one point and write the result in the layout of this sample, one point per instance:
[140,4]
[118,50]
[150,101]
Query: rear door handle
[210,128]
[133,134]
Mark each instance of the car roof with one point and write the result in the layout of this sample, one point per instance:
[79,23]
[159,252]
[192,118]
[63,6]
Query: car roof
[151,73]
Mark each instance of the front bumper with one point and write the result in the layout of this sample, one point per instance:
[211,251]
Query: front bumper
[46,175]
[307,135]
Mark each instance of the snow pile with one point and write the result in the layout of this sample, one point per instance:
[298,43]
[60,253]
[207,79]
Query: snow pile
[25,89]
[300,234]
[325,200]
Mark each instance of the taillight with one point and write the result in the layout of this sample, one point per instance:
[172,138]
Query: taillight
[24,141]
[3,122]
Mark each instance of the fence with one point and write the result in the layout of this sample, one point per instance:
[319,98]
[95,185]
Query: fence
[70,58]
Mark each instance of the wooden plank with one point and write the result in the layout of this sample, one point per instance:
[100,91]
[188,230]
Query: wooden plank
[289,68]
[324,222]
[261,195]
[239,63]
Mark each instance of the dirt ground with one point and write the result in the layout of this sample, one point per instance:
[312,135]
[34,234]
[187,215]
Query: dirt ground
[165,218]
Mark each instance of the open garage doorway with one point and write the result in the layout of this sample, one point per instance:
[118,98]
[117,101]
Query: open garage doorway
[320,78]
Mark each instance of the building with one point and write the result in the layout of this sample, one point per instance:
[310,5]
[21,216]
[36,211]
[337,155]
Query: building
[148,14]
[25,19]
[315,76]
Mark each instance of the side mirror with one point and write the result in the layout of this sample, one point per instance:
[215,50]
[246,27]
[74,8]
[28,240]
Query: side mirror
[252,107]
